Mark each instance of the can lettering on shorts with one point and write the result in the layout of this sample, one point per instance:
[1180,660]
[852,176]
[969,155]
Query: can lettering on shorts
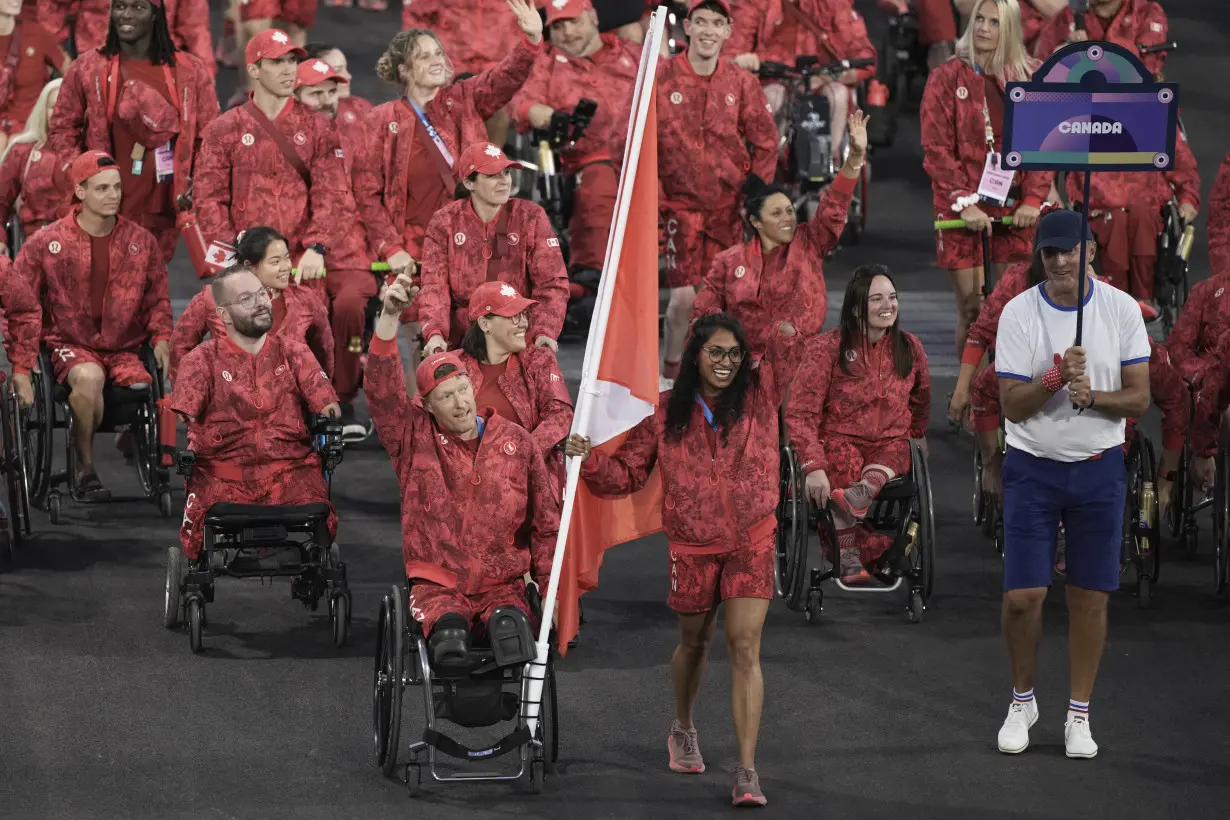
[672,250]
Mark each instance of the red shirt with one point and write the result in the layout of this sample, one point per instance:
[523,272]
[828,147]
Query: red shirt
[100,272]
[39,54]
[143,194]
[426,191]
[279,311]
[492,395]
[710,433]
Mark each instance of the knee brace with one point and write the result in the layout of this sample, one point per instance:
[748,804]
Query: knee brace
[512,638]
[450,640]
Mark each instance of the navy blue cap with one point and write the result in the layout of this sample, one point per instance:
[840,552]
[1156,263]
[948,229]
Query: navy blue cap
[1061,230]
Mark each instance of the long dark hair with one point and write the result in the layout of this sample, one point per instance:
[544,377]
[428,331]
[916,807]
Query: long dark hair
[755,192]
[474,343]
[854,323]
[731,401]
[254,242]
[161,46]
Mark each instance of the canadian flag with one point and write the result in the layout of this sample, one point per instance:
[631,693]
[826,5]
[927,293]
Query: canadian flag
[207,258]
[219,256]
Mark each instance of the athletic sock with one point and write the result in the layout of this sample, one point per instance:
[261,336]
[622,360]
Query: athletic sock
[1022,697]
[1078,709]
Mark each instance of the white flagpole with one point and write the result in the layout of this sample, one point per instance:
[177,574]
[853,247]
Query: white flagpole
[536,671]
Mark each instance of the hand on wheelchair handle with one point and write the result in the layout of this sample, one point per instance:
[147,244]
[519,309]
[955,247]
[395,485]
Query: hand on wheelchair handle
[818,490]
[162,355]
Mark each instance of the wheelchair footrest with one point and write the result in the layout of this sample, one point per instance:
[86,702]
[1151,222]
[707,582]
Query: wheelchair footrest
[509,743]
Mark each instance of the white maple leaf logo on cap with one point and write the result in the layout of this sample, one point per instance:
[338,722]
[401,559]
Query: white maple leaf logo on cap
[320,66]
[492,151]
[507,290]
[279,37]
[559,4]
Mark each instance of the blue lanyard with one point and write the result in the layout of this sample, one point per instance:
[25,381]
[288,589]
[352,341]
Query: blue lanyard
[482,426]
[431,132]
[704,408]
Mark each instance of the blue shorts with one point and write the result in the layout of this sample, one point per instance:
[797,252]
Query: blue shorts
[1087,496]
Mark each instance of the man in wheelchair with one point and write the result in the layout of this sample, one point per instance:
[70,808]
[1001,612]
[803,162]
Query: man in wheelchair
[116,266]
[243,395]
[477,508]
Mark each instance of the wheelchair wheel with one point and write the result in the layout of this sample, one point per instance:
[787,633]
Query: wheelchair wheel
[39,429]
[174,602]
[1141,533]
[980,497]
[1221,523]
[388,681]
[14,468]
[196,622]
[792,533]
[339,617]
[926,522]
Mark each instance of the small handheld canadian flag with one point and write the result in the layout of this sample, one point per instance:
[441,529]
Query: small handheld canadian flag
[206,259]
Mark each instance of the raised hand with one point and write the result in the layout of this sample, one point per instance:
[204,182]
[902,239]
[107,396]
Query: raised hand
[527,18]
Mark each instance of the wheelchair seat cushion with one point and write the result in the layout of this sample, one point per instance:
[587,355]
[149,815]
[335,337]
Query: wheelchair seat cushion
[238,516]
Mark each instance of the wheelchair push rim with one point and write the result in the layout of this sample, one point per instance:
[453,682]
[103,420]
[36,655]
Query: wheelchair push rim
[789,568]
[388,682]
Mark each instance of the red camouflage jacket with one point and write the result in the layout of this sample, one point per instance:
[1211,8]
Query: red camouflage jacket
[306,319]
[1139,22]
[474,33]
[1171,396]
[954,140]
[81,122]
[20,319]
[461,515]
[795,290]
[983,331]
[827,401]
[1111,190]
[712,132]
[56,264]
[1204,320]
[607,77]
[1219,220]
[842,32]
[351,111]
[455,263]
[534,386]
[458,113]
[243,179]
[713,499]
[33,175]
[247,412]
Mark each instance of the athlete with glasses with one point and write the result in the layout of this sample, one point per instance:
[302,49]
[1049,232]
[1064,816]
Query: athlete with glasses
[715,439]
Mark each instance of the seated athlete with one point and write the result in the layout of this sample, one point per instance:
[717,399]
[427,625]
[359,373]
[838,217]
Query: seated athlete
[477,507]
[862,393]
[101,285]
[244,393]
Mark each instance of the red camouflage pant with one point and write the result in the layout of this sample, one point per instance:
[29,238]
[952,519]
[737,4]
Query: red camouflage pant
[301,13]
[688,248]
[960,249]
[349,292]
[847,457]
[123,369]
[593,210]
[700,581]
[303,484]
[430,602]
[984,401]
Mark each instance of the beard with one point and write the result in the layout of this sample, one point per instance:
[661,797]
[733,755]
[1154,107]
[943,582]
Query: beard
[254,326]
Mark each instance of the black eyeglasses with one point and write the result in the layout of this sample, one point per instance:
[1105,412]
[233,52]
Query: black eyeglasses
[716,354]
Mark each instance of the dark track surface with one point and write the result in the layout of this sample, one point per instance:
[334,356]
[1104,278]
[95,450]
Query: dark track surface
[104,713]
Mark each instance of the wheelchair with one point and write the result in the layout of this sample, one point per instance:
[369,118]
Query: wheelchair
[903,510]
[263,541]
[1174,247]
[1221,512]
[1181,514]
[127,409]
[988,515]
[902,63]
[1141,518]
[486,695]
[16,442]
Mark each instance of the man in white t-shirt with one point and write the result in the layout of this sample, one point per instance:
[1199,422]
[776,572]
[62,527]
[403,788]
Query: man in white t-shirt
[1065,464]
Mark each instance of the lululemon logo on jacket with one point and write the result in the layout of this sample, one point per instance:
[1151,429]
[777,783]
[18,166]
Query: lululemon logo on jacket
[962,92]
[133,249]
[676,97]
[54,247]
[248,139]
[300,139]
[281,369]
[226,374]
[392,128]
[739,271]
[459,238]
[730,99]
[851,355]
[1220,291]
[348,116]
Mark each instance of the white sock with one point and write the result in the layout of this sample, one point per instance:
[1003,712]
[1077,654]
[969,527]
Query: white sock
[1022,697]
[1078,709]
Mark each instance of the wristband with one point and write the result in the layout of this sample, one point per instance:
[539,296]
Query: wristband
[1052,380]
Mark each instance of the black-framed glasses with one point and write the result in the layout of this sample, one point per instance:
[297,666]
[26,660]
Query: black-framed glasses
[249,300]
[716,354]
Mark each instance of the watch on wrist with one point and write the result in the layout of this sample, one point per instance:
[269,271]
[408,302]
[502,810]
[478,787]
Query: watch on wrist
[316,246]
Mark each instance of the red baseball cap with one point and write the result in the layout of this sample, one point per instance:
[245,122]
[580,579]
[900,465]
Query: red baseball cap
[499,298]
[695,4]
[566,9]
[270,44]
[424,374]
[315,72]
[482,158]
[89,164]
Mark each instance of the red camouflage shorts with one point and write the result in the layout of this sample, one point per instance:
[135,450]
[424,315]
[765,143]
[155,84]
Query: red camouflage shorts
[301,13]
[846,457]
[123,369]
[959,249]
[984,401]
[702,580]
[429,602]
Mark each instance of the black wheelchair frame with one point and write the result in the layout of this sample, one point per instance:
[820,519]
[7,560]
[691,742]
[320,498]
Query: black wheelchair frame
[1171,286]
[1184,506]
[903,509]
[989,515]
[126,410]
[16,474]
[1221,512]
[487,695]
[263,541]
[1142,518]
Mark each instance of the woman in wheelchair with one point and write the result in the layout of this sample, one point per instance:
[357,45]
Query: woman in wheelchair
[487,236]
[298,312]
[243,393]
[714,438]
[1204,319]
[478,511]
[862,393]
[29,192]
[520,382]
[774,278]
[1211,404]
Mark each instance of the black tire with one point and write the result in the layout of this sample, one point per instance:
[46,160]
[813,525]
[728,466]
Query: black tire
[6,548]
[196,618]
[1221,523]
[815,606]
[39,429]
[915,608]
[1144,592]
[548,721]
[14,474]
[174,597]
[164,503]
[388,683]
[53,507]
[790,567]
[339,618]
[1149,553]
[980,497]
[537,776]
[414,779]
[1176,513]
[926,522]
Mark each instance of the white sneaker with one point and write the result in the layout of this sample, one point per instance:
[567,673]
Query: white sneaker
[665,384]
[1014,734]
[1078,740]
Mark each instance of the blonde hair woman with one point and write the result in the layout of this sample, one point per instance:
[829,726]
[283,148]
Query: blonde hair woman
[962,131]
[29,185]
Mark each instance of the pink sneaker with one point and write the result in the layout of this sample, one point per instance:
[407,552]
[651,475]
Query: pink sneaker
[747,789]
[849,500]
[684,750]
